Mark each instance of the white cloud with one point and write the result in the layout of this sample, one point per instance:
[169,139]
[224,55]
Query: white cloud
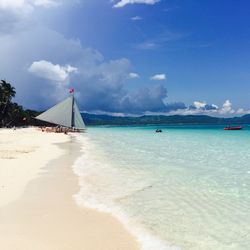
[123,3]
[18,7]
[241,111]
[46,3]
[189,111]
[215,106]
[25,6]
[133,75]
[70,69]
[12,4]
[199,105]
[147,45]
[16,15]
[101,112]
[51,71]
[159,77]
[161,40]
[227,108]
[136,18]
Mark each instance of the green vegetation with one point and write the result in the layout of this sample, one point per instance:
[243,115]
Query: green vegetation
[12,114]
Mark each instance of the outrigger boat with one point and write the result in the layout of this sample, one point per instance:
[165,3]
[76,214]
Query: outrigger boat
[233,128]
[65,114]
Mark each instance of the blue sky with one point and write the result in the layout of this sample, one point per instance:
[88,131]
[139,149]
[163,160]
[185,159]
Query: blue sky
[129,56]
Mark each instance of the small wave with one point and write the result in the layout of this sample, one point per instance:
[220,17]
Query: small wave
[90,198]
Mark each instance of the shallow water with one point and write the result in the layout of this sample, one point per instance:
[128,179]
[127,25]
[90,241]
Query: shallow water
[187,188]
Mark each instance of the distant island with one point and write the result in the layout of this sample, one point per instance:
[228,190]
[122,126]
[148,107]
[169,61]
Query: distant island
[93,119]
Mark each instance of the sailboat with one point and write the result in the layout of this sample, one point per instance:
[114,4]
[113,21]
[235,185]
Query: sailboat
[65,113]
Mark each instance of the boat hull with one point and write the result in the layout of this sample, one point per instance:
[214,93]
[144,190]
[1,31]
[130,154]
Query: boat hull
[234,128]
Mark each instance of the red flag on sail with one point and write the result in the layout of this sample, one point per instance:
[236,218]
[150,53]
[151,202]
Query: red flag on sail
[71,90]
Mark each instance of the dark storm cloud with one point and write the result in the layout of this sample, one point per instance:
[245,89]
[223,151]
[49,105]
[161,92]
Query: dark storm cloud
[99,84]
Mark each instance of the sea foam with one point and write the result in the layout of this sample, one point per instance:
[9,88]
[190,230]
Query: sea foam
[92,195]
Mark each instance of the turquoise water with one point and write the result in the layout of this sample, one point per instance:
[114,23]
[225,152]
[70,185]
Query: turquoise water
[185,188]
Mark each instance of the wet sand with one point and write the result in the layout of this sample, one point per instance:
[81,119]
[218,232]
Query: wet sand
[46,216]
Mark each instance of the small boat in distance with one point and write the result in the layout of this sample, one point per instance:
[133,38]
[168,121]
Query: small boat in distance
[158,130]
[233,128]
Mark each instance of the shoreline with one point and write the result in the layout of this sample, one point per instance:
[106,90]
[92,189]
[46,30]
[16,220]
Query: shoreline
[86,197]
[46,215]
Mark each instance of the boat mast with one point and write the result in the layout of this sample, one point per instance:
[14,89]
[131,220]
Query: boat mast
[73,115]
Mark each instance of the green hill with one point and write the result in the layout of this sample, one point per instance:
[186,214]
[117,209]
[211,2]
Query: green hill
[92,119]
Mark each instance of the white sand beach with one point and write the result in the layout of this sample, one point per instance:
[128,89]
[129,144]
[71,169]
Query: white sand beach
[37,208]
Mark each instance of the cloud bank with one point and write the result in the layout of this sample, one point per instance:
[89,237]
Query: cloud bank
[47,68]
[202,108]
[42,65]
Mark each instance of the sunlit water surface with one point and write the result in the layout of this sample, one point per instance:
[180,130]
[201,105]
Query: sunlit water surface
[185,188]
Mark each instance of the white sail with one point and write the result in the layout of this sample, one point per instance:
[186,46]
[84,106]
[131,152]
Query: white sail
[65,113]
[78,121]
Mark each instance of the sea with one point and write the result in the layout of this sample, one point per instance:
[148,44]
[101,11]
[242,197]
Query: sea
[185,188]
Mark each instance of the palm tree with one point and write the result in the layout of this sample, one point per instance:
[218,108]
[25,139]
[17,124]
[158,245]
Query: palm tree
[6,94]
[15,114]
